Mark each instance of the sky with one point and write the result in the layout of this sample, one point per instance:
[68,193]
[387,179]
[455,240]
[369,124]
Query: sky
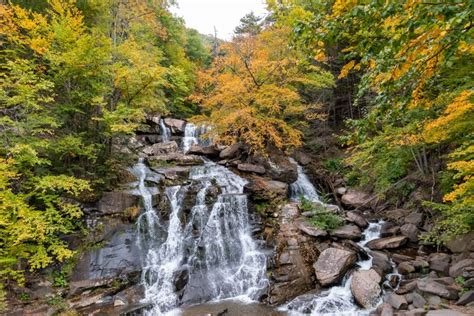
[225,15]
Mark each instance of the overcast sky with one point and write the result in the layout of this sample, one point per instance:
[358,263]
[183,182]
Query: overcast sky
[225,15]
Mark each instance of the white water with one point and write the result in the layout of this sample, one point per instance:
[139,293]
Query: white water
[337,300]
[302,187]
[193,135]
[165,131]
[212,243]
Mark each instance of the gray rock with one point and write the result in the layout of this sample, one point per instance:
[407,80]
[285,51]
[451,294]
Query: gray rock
[356,198]
[445,312]
[357,218]
[464,243]
[174,173]
[365,287]
[279,167]
[309,228]
[415,312]
[387,310]
[210,151]
[341,190]
[389,229]
[439,262]
[414,218]
[332,264]
[177,126]
[231,151]
[434,301]
[432,287]
[466,298]
[410,231]
[302,158]
[416,299]
[461,268]
[176,158]
[397,215]
[396,301]
[247,167]
[116,202]
[161,148]
[380,262]
[405,268]
[348,232]
[387,243]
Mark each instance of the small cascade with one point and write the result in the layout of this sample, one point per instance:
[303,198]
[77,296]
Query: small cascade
[193,136]
[165,131]
[209,248]
[337,300]
[302,187]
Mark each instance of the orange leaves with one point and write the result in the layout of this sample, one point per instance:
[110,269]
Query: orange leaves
[346,69]
[456,117]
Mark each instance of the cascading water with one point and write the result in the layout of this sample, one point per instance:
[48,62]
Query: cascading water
[193,136]
[302,187]
[165,131]
[337,300]
[211,247]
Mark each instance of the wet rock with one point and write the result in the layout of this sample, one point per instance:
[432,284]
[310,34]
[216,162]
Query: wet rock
[466,298]
[396,301]
[174,173]
[389,229]
[416,299]
[247,167]
[176,158]
[462,268]
[231,151]
[332,264]
[432,287]
[410,231]
[278,167]
[348,232]
[462,243]
[177,126]
[387,243]
[405,268]
[116,202]
[365,287]
[161,148]
[180,279]
[264,189]
[309,228]
[357,218]
[210,151]
[356,198]
[380,263]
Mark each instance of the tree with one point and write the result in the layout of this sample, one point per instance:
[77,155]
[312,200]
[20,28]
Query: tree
[250,93]
[249,25]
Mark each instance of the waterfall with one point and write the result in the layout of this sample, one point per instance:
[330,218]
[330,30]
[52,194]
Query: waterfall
[165,131]
[337,300]
[209,248]
[193,136]
[302,187]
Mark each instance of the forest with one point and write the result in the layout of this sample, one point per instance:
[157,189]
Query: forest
[379,94]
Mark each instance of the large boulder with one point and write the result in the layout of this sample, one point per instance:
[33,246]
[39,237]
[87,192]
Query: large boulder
[177,126]
[174,173]
[439,262]
[365,287]
[355,198]
[175,158]
[430,286]
[464,268]
[357,218]
[308,228]
[116,202]
[231,151]
[410,231]
[248,167]
[347,232]
[265,189]
[381,262]
[387,243]
[161,148]
[396,301]
[332,264]
[279,167]
[211,151]
[463,243]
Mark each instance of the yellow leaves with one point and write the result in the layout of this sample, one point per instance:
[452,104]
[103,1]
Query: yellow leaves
[456,117]
[320,56]
[341,6]
[346,69]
